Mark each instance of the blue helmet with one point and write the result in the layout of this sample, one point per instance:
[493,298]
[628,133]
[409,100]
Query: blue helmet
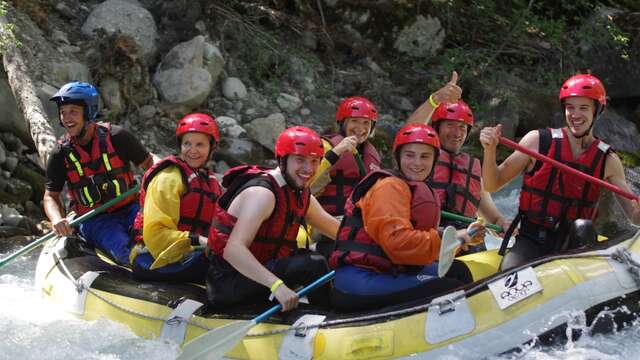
[79,92]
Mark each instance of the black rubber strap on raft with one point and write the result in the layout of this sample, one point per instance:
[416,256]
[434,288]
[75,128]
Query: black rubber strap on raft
[507,235]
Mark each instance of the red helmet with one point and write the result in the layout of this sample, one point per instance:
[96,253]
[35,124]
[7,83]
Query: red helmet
[585,85]
[299,140]
[458,111]
[201,123]
[357,107]
[416,133]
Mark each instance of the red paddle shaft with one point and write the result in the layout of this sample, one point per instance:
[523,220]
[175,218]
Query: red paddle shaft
[506,142]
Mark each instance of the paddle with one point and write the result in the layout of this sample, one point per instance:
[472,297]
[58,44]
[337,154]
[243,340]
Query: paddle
[506,142]
[217,342]
[448,246]
[452,216]
[74,222]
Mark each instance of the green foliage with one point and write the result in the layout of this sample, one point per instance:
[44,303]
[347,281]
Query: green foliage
[539,42]
[7,37]
[630,160]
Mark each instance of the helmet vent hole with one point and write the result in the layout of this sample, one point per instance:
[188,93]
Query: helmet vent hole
[451,110]
[587,87]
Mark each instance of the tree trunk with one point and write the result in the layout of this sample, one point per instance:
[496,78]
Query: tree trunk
[25,95]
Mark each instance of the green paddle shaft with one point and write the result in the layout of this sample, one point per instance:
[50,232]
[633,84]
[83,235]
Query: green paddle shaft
[74,222]
[452,216]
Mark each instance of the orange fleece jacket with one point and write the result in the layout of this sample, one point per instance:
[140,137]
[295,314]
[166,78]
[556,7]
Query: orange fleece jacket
[386,213]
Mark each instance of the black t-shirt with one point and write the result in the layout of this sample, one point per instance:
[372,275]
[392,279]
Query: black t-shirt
[127,146]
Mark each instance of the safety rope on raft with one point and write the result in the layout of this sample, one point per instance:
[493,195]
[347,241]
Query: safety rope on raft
[80,287]
[621,255]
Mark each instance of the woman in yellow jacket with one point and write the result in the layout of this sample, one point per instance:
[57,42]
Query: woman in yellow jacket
[177,199]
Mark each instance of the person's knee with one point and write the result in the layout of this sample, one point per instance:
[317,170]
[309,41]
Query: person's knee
[308,264]
[582,233]
[460,271]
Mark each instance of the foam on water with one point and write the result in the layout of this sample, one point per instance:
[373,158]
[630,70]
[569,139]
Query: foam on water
[32,328]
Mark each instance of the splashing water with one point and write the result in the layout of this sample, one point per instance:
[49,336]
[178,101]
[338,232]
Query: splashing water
[32,328]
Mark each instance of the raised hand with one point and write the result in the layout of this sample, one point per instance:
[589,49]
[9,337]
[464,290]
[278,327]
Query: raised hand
[347,144]
[490,137]
[450,92]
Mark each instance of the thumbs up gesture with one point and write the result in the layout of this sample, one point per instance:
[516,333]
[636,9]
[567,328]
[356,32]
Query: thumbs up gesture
[449,93]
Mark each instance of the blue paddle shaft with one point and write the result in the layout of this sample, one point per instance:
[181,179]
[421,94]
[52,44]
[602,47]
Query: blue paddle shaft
[328,276]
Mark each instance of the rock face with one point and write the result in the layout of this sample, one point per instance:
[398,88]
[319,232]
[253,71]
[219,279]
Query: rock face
[127,17]
[10,117]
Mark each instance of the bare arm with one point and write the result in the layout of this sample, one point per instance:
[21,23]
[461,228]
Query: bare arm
[54,210]
[494,176]
[449,93]
[614,173]
[251,208]
[321,220]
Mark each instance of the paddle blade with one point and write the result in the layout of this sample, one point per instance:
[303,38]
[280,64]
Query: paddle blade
[448,247]
[214,344]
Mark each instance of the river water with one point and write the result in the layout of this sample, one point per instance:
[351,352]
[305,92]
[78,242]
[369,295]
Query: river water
[31,328]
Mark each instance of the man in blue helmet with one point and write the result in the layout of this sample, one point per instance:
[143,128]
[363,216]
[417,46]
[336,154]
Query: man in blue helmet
[92,159]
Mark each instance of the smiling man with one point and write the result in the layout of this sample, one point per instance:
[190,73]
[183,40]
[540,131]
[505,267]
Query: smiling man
[92,159]
[457,175]
[550,201]
[253,237]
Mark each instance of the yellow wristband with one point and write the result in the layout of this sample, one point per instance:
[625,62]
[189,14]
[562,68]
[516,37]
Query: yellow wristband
[276,285]
[432,102]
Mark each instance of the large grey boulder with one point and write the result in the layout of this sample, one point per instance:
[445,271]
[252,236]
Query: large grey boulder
[188,86]
[229,127]
[422,39]
[128,18]
[617,131]
[266,130]
[188,53]
[233,88]
[240,151]
[185,77]
[288,102]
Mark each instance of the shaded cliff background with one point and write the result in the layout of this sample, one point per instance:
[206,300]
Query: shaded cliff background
[259,66]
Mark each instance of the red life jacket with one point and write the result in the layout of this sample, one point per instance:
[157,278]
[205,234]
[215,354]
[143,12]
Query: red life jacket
[549,195]
[196,204]
[355,247]
[345,174]
[96,178]
[276,237]
[456,179]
